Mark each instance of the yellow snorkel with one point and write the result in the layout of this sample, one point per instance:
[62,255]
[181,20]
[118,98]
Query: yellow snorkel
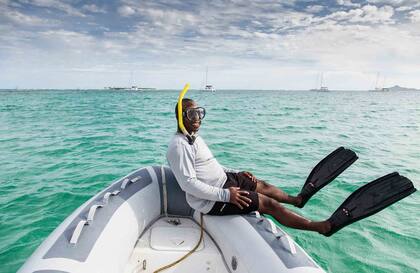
[190,137]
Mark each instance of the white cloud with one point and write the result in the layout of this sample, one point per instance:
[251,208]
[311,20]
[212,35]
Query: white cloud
[407,5]
[126,11]
[56,4]
[415,16]
[23,19]
[347,3]
[366,14]
[403,8]
[314,8]
[19,18]
[93,8]
[388,2]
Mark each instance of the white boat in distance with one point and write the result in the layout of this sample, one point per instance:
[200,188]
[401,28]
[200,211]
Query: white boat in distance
[383,89]
[143,222]
[208,87]
[132,88]
[379,87]
[322,87]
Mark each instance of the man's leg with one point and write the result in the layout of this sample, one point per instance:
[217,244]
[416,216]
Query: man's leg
[288,218]
[276,193]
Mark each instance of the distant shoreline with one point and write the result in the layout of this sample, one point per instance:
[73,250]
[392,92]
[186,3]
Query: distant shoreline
[176,89]
[395,88]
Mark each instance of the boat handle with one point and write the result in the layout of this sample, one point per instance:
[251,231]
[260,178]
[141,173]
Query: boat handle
[91,213]
[109,194]
[289,240]
[272,227]
[77,231]
[164,191]
[127,181]
[279,235]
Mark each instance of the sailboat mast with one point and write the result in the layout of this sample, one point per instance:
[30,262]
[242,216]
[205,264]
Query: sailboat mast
[377,80]
[318,80]
[207,71]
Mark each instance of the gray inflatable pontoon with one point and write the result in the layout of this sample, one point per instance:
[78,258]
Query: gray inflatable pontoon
[143,222]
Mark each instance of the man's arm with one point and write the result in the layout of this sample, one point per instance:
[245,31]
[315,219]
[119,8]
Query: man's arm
[182,164]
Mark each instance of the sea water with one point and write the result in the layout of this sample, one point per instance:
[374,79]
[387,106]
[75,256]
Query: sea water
[58,148]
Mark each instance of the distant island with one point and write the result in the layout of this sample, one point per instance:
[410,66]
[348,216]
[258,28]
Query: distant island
[400,88]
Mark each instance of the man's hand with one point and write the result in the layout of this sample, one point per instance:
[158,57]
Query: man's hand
[239,198]
[250,176]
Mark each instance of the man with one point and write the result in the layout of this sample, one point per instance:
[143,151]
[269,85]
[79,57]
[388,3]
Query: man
[212,189]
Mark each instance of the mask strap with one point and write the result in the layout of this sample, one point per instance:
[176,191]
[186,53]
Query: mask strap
[190,137]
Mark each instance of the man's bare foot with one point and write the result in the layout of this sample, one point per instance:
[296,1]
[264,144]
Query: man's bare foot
[324,227]
[297,201]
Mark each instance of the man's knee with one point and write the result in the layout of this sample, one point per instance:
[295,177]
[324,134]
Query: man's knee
[262,186]
[268,204]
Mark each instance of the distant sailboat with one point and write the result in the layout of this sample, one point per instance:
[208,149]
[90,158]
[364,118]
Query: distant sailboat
[208,87]
[131,88]
[322,86]
[378,86]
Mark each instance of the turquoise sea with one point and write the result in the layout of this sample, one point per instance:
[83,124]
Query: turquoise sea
[58,148]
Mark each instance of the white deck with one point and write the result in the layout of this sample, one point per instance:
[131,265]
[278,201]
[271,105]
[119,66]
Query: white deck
[164,243]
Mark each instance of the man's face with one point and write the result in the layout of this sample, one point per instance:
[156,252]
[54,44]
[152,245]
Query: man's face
[192,125]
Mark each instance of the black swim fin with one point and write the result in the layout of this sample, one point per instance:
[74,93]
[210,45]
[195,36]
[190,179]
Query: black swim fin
[326,171]
[370,199]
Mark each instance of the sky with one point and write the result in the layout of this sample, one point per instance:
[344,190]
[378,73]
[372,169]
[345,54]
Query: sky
[260,44]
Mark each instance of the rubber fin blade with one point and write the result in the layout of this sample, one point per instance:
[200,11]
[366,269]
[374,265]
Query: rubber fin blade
[326,171]
[370,199]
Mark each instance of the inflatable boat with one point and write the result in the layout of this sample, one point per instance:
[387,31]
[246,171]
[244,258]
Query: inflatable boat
[142,222]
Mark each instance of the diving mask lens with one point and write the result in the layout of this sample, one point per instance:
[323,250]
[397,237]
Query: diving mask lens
[195,113]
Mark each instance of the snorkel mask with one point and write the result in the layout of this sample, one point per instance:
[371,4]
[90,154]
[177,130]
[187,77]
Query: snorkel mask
[190,137]
[194,113]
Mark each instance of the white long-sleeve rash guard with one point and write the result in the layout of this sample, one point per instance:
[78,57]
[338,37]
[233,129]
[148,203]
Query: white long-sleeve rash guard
[198,172]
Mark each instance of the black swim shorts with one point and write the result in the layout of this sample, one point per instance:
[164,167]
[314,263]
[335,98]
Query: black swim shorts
[245,183]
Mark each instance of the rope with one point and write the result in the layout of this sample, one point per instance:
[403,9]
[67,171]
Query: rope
[189,253]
